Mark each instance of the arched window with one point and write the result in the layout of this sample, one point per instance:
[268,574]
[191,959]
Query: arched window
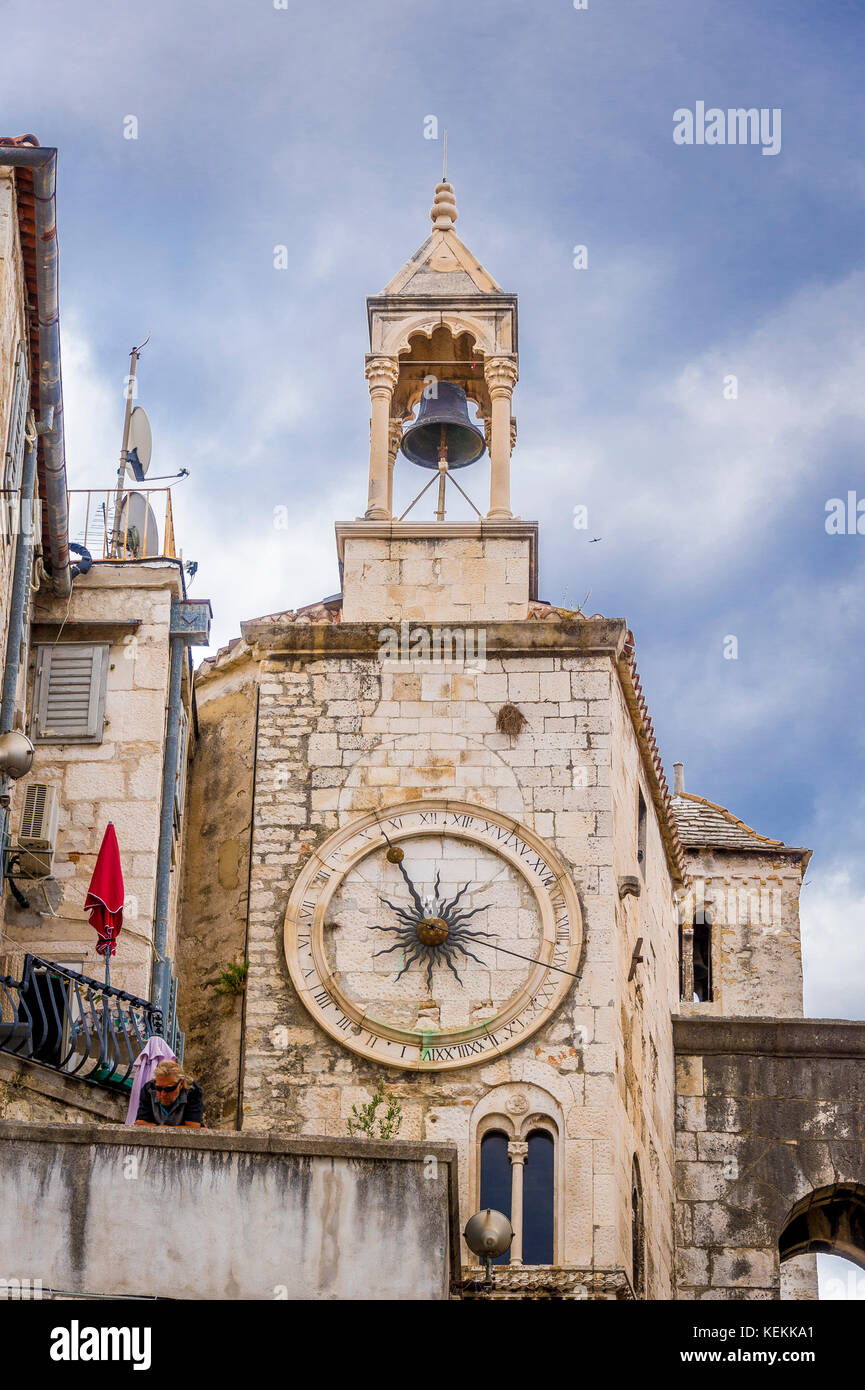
[702,962]
[518,1179]
[637,1233]
[496,1185]
[538,1199]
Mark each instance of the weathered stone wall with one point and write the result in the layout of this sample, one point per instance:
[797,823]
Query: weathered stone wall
[639,1019]
[436,580]
[119,779]
[250,1218]
[32,1092]
[342,736]
[752,902]
[216,879]
[767,1112]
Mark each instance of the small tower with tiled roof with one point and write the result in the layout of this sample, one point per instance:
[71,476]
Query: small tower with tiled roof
[740,947]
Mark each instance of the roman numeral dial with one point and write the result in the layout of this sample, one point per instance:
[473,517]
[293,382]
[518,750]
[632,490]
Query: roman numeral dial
[434,935]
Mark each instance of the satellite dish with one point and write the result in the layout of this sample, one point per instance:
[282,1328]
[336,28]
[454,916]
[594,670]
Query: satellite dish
[139,444]
[136,534]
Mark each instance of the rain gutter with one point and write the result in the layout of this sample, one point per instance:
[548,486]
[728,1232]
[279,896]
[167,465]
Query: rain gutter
[43,164]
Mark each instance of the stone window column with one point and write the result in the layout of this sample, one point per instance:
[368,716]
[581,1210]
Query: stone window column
[382,373]
[517,1152]
[688,964]
[501,377]
[394,439]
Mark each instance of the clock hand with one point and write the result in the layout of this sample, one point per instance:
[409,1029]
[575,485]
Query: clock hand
[532,959]
[392,853]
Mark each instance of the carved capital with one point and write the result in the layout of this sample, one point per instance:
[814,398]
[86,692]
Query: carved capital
[394,438]
[518,1150]
[381,372]
[500,374]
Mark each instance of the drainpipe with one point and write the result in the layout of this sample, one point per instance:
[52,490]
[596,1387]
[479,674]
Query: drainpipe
[20,584]
[160,990]
[43,163]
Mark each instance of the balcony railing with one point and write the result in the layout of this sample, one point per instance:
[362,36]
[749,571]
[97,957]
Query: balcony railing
[123,524]
[73,1024]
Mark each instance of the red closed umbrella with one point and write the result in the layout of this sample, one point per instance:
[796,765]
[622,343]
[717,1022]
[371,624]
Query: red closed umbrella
[104,898]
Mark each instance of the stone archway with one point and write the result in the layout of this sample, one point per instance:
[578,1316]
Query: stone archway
[829,1221]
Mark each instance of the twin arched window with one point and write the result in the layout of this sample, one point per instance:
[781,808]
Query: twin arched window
[518,1179]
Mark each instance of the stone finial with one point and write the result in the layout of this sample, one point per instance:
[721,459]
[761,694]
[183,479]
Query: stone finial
[678,779]
[444,209]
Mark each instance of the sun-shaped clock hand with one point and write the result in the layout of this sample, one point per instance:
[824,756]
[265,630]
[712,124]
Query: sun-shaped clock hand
[433,931]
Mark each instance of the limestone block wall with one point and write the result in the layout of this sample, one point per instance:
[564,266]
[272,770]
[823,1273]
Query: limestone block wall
[341,736]
[119,779]
[752,901]
[216,878]
[767,1113]
[642,1081]
[436,580]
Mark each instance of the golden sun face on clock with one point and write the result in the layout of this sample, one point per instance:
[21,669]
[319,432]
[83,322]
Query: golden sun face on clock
[433,935]
[442,939]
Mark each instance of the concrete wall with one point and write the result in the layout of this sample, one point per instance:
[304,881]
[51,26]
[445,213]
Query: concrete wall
[768,1112]
[93,1210]
[216,878]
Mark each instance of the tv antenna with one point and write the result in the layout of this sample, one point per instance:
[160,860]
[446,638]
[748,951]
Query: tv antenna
[137,444]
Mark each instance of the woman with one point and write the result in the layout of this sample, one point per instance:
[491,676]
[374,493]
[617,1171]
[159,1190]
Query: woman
[171,1098]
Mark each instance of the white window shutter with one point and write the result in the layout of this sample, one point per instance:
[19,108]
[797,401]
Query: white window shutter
[69,699]
[180,774]
[17,423]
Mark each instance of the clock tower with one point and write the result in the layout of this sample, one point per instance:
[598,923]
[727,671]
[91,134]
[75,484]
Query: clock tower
[463,859]
[430,813]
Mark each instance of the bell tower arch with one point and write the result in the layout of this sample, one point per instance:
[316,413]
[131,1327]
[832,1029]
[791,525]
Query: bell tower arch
[441,318]
[443,356]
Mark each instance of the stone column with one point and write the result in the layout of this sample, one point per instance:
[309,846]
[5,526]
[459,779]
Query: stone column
[394,439]
[501,377]
[517,1152]
[688,964]
[382,374]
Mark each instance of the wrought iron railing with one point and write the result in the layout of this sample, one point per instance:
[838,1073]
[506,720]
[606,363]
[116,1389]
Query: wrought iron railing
[73,1024]
[122,524]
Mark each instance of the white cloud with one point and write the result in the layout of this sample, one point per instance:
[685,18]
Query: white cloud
[833,942]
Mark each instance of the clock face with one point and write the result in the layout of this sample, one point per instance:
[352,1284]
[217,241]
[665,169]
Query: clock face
[433,935]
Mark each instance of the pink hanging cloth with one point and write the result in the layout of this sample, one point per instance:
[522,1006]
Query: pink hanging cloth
[155,1050]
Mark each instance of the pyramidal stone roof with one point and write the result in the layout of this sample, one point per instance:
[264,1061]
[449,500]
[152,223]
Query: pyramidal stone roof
[701,822]
[443,265]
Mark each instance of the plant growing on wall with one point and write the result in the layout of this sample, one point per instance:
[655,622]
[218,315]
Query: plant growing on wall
[573,612]
[233,979]
[365,1119]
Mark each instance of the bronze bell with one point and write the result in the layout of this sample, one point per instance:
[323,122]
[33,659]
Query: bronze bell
[443,431]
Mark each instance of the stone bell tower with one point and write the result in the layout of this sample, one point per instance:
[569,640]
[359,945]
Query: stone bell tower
[462,862]
[442,318]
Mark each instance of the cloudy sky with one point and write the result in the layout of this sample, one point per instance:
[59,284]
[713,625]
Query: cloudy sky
[303,127]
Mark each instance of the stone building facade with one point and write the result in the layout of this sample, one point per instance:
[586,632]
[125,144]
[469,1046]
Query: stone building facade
[356,753]
[420,834]
[95,626]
